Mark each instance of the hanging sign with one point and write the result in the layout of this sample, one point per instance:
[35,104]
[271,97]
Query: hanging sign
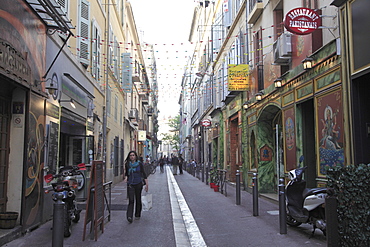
[141,136]
[206,123]
[302,21]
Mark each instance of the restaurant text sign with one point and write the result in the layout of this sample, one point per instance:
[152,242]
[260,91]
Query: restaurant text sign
[302,21]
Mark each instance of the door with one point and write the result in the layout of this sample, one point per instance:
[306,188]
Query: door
[4,150]
[77,150]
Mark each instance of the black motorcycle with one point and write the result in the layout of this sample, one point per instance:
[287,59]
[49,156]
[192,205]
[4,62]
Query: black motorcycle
[64,195]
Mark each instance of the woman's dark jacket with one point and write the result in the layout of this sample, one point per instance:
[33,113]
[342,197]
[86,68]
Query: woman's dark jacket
[139,171]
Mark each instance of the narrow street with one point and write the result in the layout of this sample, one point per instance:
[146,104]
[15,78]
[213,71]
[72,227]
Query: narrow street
[186,212]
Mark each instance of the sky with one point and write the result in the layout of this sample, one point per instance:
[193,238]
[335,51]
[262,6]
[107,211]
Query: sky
[166,24]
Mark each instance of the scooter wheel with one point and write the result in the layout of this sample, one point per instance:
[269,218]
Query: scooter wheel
[290,221]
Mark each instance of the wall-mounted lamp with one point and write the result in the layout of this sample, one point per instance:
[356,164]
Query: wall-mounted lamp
[259,95]
[71,101]
[51,86]
[307,63]
[278,82]
[246,105]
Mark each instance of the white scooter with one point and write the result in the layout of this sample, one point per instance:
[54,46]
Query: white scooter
[305,205]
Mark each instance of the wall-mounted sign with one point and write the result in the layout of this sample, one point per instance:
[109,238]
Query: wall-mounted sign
[302,21]
[206,123]
[141,135]
[238,76]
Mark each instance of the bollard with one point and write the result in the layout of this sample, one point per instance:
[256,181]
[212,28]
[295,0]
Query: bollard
[202,173]
[237,187]
[282,207]
[58,224]
[207,171]
[255,194]
[332,235]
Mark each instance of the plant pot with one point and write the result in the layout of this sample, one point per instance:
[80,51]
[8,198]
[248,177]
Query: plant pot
[212,185]
[215,188]
[8,220]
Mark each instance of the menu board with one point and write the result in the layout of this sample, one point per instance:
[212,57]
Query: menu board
[95,200]
[53,146]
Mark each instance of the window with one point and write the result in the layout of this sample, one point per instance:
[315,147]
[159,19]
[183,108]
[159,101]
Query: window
[311,4]
[257,43]
[116,58]
[109,97]
[120,114]
[84,32]
[116,108]
[95,54]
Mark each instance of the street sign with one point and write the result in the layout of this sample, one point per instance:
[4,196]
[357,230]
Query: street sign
[206,123]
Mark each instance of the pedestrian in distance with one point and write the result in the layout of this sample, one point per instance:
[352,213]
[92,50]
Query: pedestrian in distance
[136,178]
[181,162]
[161,163]
[175,164]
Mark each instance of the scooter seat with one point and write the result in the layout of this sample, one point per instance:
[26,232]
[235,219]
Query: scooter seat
[313,191]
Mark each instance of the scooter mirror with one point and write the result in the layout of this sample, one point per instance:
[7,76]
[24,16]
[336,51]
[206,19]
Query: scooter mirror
[48,178]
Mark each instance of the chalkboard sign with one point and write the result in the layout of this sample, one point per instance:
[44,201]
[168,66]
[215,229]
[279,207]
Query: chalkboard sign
[53,146]
[95,200]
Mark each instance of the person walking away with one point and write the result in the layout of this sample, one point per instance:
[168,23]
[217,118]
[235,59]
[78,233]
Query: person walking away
[136,178]
[181,163]
[161,164]
[175,164]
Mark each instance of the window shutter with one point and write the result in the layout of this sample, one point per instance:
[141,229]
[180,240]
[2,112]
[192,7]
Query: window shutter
[116,58]
[95,55]
[109,105]
[84,32]
[64,7]
[126,82]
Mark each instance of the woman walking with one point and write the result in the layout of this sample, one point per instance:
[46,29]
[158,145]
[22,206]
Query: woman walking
[136,178]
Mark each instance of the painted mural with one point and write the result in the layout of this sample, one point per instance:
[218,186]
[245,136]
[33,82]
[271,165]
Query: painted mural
[330,130]
[289,139]
[35,162]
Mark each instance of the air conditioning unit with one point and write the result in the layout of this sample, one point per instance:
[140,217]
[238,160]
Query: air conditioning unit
[132,114]
[283,49]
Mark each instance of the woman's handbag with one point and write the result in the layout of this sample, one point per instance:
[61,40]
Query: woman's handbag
[146,201]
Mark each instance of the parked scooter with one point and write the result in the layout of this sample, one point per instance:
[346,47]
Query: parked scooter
[64,195]
[305,205]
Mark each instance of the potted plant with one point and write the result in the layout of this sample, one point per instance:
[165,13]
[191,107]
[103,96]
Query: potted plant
[213,178]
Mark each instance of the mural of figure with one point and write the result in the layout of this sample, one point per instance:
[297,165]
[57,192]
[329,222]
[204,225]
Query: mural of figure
[330,135]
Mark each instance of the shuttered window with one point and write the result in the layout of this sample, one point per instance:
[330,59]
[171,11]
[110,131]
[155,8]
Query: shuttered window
[95,54]
[84,32]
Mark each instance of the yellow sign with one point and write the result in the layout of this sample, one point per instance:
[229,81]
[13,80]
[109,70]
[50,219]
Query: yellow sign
[141,135]
[238,76]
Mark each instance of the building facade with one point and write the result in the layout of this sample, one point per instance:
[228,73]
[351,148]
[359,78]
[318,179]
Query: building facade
[266,109]
[76,89]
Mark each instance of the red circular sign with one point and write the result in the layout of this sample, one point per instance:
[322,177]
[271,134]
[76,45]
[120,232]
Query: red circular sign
[206,123]
[302,21]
